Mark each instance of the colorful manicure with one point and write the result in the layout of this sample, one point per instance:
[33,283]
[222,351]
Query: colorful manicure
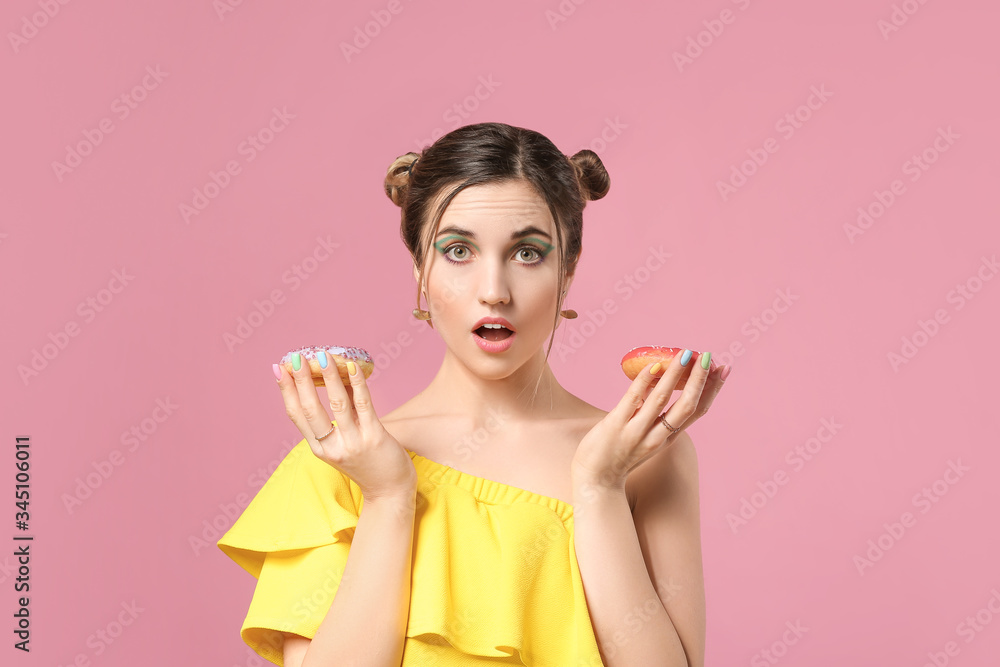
[351,368]
[705,359]
[686,357]
[656,368]
[725,373]
[277,370]
[296,361]
[321,355]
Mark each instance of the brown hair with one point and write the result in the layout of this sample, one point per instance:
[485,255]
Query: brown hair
[495,153]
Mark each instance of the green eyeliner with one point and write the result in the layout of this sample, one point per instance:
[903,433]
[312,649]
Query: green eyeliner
[440,245]
[547,246]
[443,242]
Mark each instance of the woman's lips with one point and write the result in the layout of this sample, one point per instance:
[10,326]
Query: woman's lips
[494,345]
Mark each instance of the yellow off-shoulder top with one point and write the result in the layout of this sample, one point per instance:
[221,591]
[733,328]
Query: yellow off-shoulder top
[495,578]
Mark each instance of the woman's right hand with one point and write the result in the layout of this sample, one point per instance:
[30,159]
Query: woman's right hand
[359,446]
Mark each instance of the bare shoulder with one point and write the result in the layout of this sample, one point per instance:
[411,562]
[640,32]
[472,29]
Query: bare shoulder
[671,471]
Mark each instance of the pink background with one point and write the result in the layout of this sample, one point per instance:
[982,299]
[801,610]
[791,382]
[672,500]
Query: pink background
[606,78]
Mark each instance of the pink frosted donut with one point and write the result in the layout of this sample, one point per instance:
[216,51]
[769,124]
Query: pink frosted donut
[334,354]
[639,357]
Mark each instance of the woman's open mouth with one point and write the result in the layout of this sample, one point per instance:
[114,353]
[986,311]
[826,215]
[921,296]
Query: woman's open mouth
[493,337]
[493,332]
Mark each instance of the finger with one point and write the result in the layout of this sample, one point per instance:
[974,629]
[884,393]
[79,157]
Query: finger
[340,402]
[633,398]
[680,414]
[314,412]
[293,408]
[712,388]
[362,399]
[666,381]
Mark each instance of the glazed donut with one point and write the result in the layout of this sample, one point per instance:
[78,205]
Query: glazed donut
[639,357]
[335,354]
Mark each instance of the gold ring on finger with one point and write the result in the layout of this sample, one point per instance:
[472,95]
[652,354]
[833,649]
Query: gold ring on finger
[333,424]
[663,418]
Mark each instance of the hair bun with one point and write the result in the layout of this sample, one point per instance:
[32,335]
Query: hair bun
[397,177]
[590,174]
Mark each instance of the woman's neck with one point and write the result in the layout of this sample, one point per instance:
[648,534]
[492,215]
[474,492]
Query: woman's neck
[457,389]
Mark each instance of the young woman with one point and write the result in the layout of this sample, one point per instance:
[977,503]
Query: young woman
[558,534]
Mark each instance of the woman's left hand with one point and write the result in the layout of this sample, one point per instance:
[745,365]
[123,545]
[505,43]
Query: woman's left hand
[632,432]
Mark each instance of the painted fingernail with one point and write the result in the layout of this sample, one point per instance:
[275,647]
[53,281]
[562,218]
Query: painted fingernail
[686,357]
[321,355]
[656,368]
[277,370]
[296,361]
[351,368]
[705,359]
[725,372]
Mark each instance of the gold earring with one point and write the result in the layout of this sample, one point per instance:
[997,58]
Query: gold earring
[421,314]
[568,314]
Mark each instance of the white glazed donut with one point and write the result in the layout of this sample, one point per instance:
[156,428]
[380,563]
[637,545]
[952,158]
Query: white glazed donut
[334,354]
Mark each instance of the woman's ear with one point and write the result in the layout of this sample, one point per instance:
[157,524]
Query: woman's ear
[417,277]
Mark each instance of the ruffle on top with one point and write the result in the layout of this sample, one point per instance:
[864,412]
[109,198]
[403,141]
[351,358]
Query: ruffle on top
[495,578]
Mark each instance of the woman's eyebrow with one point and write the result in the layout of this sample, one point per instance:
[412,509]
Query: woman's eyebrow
[515,235]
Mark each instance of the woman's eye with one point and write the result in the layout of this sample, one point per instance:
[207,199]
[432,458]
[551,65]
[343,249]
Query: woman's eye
[529,249]
[459,253]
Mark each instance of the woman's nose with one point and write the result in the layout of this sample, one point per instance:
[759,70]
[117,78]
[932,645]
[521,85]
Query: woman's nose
[493,285]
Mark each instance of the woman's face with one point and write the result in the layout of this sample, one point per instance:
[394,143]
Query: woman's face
[494,255]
